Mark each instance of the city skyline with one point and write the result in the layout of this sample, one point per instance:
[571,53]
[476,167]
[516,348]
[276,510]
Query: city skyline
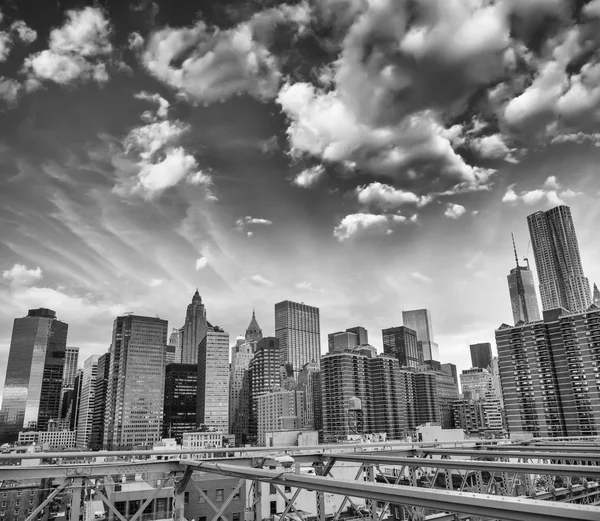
[97,219]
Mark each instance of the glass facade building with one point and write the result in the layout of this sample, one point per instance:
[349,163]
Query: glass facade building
[481,355]
[420,321]
[181,387]
[401,343]
[86,402]
[34,373]
[523,300]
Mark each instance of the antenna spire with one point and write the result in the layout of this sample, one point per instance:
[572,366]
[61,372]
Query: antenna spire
[515,249]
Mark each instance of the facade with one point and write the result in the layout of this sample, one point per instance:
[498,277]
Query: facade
[134,396]
[170,354]
[18,499]
[194,330]
[179,411]
[75,400]
[129,496]
[401,343]
[86,402]
[100,386]
[477,382]
[34,373]
[596,296]
[239,390]
[361,333]
[309,383]
[176,339]
[279,410]
[419,320]
[202,440]
[216,489]
[556,250]
[50,440]
[297,327]
[427,397]
[253,332]
[342,340]
[213,380]
[549,374]
[523,299]
[70,369]
[481,355]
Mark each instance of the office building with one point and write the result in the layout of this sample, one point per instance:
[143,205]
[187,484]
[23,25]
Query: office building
[596,297]
[342,340]
[298,330]
[180,404]
[75,400]
[279,410]
[70,369]
[451,370]
[134,396]
[481,355]
[176,340]
[549,374]
[253,332]
[239,390]
[401,343]
[427,399]
[362,335]
[477,382]
[419,320]
[34,373]
[20,498]
[100,386]
[309,382]
[521,288]
[86,402]
[207,488]
[556,251]
[478,416]
[194,330]
[213,380]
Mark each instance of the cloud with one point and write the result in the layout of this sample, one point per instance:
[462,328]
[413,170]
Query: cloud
[454,211]
[269,146]
[551,193]
[419,277]
[306,286]
[385,197]
[209,65]
[493,147]
[5,45]
[259,280]
[309,177]
[163,105]
[366,223]
[243,223]
[25,33]
[155,283]
[201,263]
[79,50]
[9,90]
[20,275]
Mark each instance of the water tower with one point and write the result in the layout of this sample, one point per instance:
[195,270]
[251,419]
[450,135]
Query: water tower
[355,415]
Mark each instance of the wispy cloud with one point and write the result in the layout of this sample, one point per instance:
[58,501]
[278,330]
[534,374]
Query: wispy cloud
[259,280]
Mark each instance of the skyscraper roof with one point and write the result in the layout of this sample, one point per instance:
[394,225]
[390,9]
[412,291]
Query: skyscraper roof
[253,332]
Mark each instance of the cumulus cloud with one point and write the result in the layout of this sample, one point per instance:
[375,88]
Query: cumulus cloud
[155,283]
[77,50]
[20,275]
[385,197]
[551,193]
[201,263]
[493,147]
[366,223]
[454,211]
[209,65]
[243,224]
[306,286]
[6,44]
[419,277]
[9,90]
[162,110]
[25,33]
[309,177]
[259,280]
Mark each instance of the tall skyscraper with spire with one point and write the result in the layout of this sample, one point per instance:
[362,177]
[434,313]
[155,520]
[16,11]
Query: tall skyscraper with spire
[253,332]
[521,288]
[557,259]
[194,330]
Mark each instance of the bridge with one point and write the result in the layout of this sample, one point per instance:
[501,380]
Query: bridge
[544,479]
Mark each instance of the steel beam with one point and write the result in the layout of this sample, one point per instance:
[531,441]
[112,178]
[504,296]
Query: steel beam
[105,500]
[478,466]
[523,454]
[41,507]
[506,508]
[77,488]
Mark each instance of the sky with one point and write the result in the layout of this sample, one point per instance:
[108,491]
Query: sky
[361,156]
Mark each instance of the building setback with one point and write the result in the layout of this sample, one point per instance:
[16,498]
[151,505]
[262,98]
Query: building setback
[549,374]
[134,398]
[34,373]
[179,411]
[298,330]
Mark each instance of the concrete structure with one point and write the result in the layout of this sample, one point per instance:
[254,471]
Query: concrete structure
[596,296]
[86,402]
[18,500]
[291,438]
[69,372]
[203,440]
[134,398]
[401,342]
[279,410]
[298,329]
[34,374]
[194,330]
[419,320]
[170,354]
[49,440]
[556,250]
[481,355]
[205,487]
[180,401]
[549,374]
[213,380]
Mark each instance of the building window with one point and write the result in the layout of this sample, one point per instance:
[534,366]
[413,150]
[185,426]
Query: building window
[3,503]
[201,497]
[219,494]
[273,507]
[202,518]
[186,498]
[288,489]
[236,516]
[236,495]
[272,489]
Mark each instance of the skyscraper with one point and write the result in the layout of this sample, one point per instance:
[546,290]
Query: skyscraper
[299,333]
[362,335]
[253,332]
[34,373]
[176,339]
[100,385]
[420,321]
[521,288]
[481,355]
[69,372]
[556,251]
[134,397]
[181,395]
[194,330]
[86,402]
[596,296]
[341,341]
[401,343]
[213,380]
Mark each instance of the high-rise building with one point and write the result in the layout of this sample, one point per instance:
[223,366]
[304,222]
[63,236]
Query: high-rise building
[69,372]
[34,373]
[75,400]
[341,341]
[401,343]
[176,339]
[521,288]
[477,381]
[134,397]
[549,374]
[556,250]
[299,333]
[100,386]
[86,402]
[181,390]
[279,410]
[239,390]
[446,390]
[194,330]
[362,335]
[170,354]
[481,355]
[596,296]
[213,380]
[253,332]
[419,320]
